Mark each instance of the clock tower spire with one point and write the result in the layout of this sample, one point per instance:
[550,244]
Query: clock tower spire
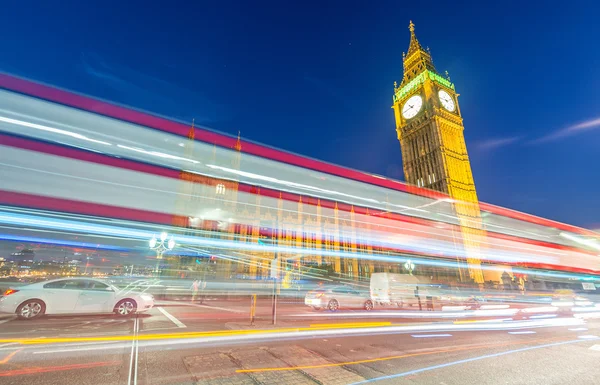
[429,126]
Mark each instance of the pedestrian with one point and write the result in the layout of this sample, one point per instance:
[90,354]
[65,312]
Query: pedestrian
[203,294]
[195,287]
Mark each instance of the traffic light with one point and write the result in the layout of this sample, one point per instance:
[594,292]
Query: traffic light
[213,259]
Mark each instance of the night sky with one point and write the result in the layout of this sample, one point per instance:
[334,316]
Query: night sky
[316,78]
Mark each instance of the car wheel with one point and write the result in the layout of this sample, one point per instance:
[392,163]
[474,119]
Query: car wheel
[333,305]
[368,305]
[316,308]
[28,310]
[125,307]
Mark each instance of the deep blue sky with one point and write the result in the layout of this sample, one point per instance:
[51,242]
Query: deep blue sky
[316,78]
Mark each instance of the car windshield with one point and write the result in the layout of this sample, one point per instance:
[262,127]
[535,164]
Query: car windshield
[299,192]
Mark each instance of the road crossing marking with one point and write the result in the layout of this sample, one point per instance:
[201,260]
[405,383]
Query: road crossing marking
[172,318]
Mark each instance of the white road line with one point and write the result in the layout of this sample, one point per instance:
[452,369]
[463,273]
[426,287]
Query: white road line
[172,318]
[204,306]
[114,346]
[137,358]
[523,332]
[5,320]
[220,308]
[134,354]
[595,347]
[430,335]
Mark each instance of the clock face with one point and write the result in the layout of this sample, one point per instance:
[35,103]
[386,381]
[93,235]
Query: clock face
[412,106]
[447,101]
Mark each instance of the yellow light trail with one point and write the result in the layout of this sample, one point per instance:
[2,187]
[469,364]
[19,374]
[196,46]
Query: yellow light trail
[9,357]
[189,335]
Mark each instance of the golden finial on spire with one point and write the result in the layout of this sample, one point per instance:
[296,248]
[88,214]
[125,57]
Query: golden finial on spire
[411,27]
[238,143]
[395,84]
[192,132]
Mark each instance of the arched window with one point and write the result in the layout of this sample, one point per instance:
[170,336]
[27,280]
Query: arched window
[220,189]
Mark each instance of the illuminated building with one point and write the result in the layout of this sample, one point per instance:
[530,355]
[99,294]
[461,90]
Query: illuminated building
[296,227]
[23,258]
[429,126]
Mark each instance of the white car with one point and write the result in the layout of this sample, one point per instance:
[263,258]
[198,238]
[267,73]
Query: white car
[73,296]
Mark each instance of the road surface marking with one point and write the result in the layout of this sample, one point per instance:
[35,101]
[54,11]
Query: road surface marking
[353,324]
[219,308]
[578,329]
[588,337]
[595,347]
[172,318]
[163,303]
[430,335]
[133,362]
[113,345]
[5,320]
[523,332]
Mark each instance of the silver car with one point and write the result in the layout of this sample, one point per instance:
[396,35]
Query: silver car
[338,297]
[73,296]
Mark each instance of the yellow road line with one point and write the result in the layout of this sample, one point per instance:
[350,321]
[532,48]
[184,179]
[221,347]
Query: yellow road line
[351,325]
[215,333]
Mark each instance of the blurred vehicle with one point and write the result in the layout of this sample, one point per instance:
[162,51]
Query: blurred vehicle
[73,296]
[454,296]
[402,290]
[338,297]
[569,298]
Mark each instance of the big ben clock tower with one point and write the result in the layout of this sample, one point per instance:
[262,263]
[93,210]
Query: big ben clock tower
[429,127]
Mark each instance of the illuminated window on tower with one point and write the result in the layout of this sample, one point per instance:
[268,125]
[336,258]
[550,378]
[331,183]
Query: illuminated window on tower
[220,189]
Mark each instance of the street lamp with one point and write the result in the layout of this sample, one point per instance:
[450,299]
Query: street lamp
[408,265]
[161,245]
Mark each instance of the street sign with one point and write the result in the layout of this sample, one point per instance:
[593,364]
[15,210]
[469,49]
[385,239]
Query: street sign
[588,286]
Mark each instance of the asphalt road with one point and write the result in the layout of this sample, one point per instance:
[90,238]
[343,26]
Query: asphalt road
[213,343]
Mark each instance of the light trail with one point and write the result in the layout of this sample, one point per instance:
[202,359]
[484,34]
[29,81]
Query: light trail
[70,225]
[302,332]
[434,367]
[396,357]
[49,369]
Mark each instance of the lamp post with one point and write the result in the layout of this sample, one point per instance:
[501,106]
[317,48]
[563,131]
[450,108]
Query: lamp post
[409,266]
[161,245]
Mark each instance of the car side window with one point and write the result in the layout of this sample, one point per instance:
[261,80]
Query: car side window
[75,284]
[55,285]
[97,286]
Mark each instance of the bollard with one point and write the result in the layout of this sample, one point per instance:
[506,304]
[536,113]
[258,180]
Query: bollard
[252,309]
[418,298]
[429,303]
